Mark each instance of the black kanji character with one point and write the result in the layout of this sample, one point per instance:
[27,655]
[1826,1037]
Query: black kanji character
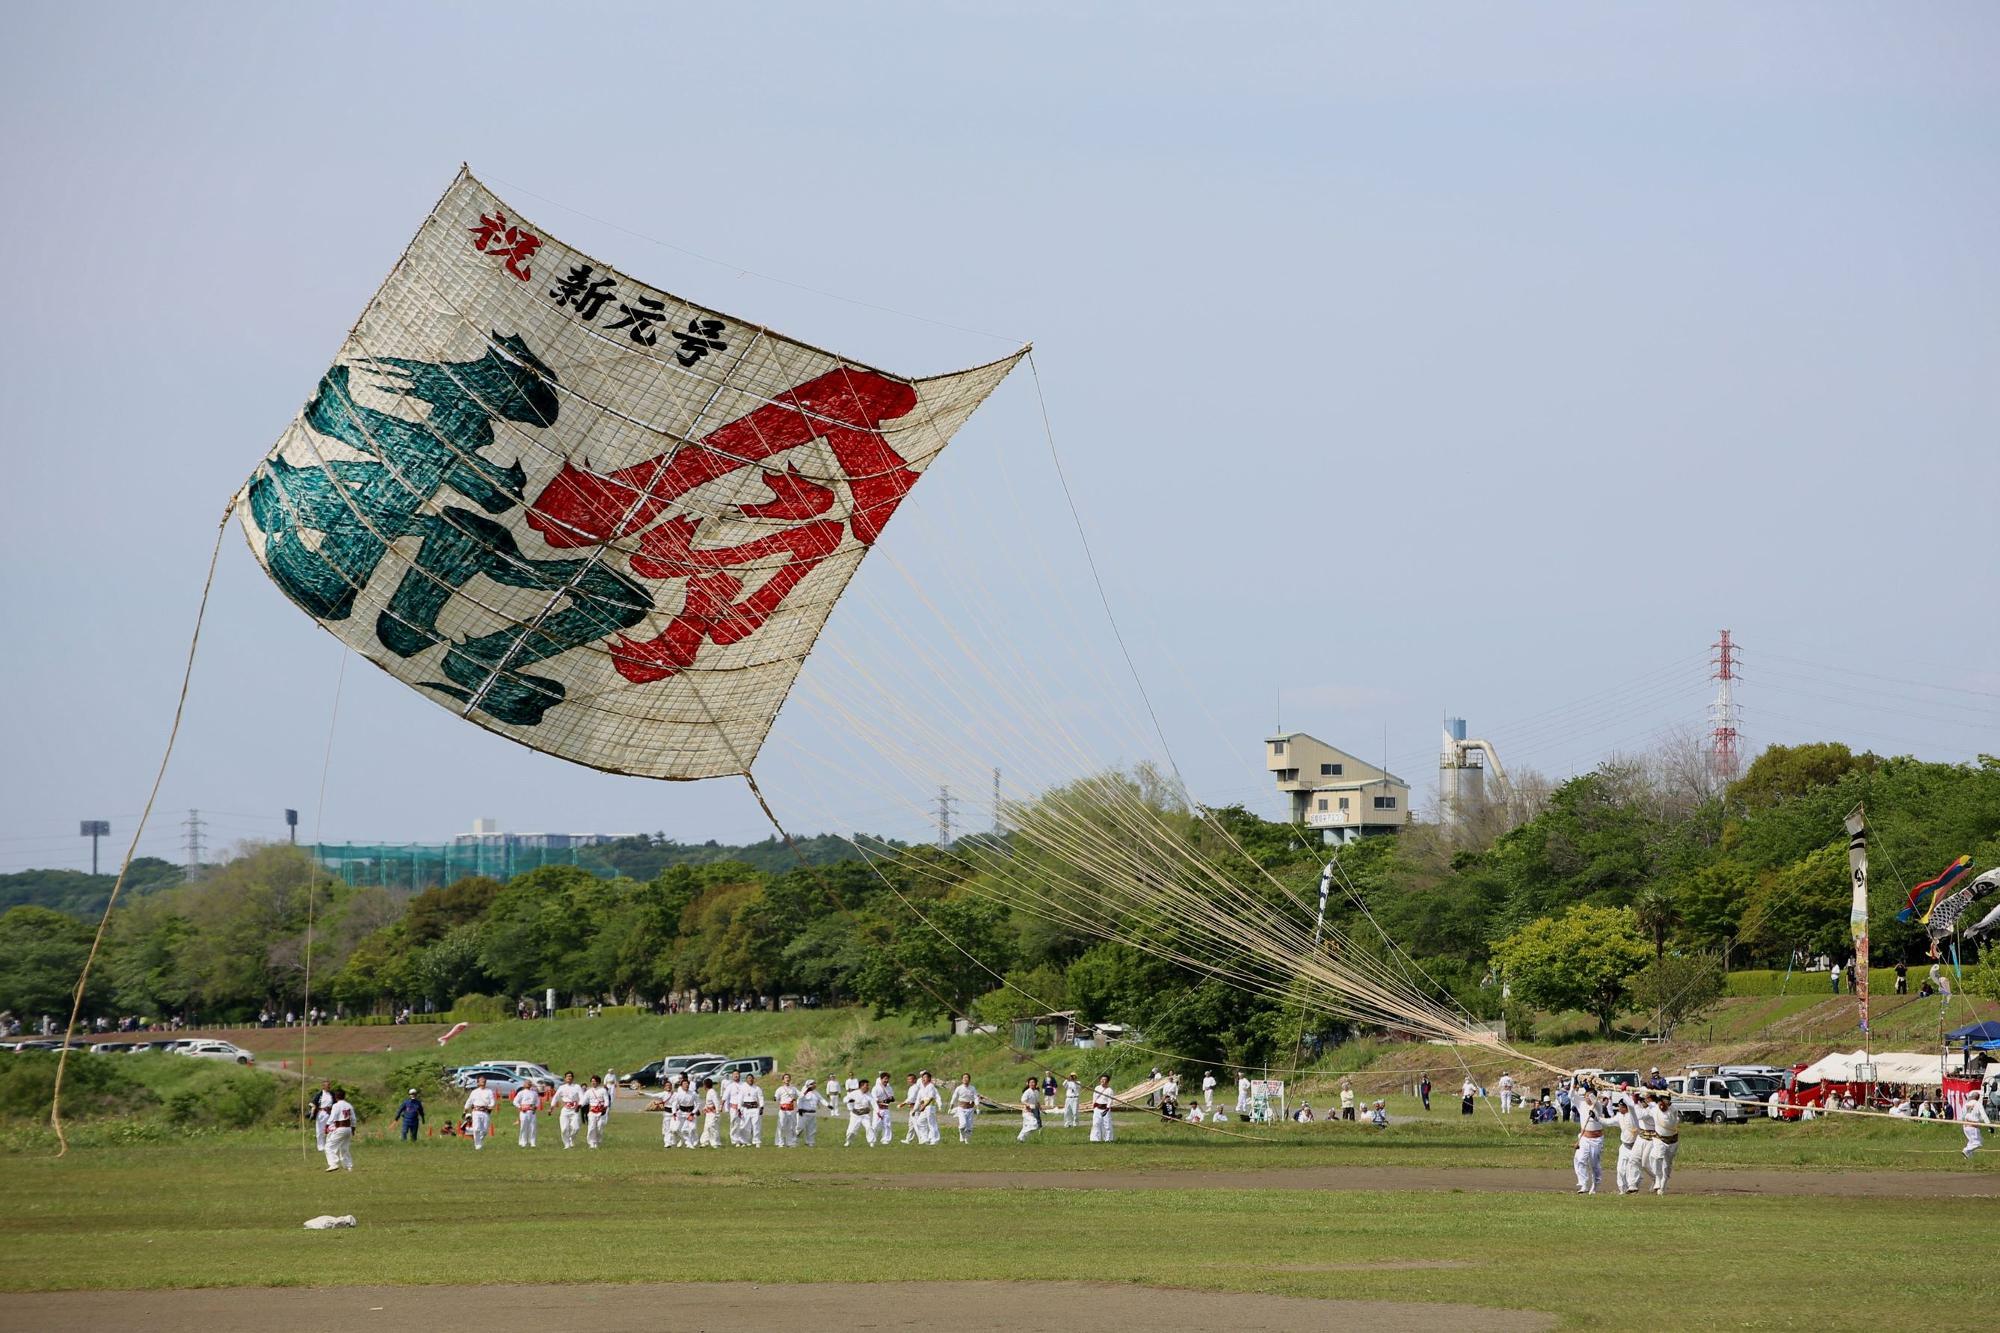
[702,337]
[642,320]
[578,290]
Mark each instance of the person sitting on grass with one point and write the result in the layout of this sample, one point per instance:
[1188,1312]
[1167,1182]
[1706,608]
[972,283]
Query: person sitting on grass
[1304,1115]
[1379,1115]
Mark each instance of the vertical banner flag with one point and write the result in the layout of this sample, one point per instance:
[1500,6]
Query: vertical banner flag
[1857,914]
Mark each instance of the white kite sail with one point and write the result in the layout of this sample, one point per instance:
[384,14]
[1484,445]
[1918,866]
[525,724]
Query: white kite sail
[578,510]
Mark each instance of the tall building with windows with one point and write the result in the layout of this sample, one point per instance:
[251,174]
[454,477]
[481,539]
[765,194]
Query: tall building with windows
[1343,797]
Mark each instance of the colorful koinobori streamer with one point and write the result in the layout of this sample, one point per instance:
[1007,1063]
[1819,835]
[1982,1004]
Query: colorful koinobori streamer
[1857,915]
[1923,898]
[582,512]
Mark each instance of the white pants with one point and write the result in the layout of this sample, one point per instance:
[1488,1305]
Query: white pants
[927,1126]
[1974,1140]
[885,1125]
[526,1138]
[593,1129]
[808,1131]
[319,1131]
[964,1115]
[866,1126]
[753,1127]
[1589,1164]
[1100,1126]
[482,1125]
[1661,1164]
[1030,1124]
[1629,1166]
[711,1130]
[788,1129]
[1069,1113]
[570,1120]
[684,1129]
[340,1149]
[669,1131]
[1208,1098]
[1506,1102]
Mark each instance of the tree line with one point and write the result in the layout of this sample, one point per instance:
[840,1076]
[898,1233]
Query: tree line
[1625,888]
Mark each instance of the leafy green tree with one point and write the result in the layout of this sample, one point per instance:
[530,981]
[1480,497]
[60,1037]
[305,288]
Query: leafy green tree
[41,956]
[1579,960]
[1678,988]
[1786,772]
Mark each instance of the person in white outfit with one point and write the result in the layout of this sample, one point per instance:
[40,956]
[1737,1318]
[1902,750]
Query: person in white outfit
[1101,1102]
[596,1110]
[860,1115]
[925,1101]
[1506,1093]
[1626,1175]
[809,1109]
[1208,1089]
[1971,1116]
[751,1102]
[322,1104]
[1666,1140]
[1242,1093]
[687,1112]
[787,1098]
[479,1104]
[1031,1111]
[527,1101]
[884,1095]
[913,1126]
[1072,1092]
[711,1114]
[732,1107]
[1589,1159]
[340,1133]
[964,1106]
[569,1109]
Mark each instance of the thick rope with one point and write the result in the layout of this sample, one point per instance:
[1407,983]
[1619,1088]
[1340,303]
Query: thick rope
[312,889]
[125,867]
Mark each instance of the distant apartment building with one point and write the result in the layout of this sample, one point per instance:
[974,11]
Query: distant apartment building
[1332,791]
[486,835]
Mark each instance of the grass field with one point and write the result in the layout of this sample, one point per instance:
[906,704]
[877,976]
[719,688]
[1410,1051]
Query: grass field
[225,1211]
[1824,1225]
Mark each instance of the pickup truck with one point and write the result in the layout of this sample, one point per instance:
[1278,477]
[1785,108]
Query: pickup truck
[1700,1095]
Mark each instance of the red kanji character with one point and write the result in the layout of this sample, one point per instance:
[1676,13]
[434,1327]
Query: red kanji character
[844,407]
[490,225]
[514,245]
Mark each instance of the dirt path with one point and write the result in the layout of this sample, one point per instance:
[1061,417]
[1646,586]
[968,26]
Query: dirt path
[1480,1180]
[964,1307]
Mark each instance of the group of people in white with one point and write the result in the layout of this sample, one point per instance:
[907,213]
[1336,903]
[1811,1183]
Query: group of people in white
[1649,1137]
[732,1111]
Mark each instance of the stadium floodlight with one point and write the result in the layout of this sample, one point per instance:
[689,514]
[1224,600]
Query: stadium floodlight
[94,829]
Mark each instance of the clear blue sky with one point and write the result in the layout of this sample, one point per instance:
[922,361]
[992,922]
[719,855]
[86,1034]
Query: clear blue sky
[1575,331]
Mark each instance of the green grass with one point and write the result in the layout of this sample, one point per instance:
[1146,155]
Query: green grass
[219,1212]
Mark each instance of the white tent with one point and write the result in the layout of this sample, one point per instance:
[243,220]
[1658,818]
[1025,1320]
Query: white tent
[1890,1067]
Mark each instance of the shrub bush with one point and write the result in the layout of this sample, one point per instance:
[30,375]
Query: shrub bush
[478,1009]
[93,1085]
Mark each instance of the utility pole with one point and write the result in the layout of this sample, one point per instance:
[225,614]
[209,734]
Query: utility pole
[944,816]
[94,829]
[292,825]
[1722,714]
[193,825]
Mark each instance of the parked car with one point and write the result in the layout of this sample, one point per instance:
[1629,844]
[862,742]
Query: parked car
[504,1079]
[759,1065]
[1611,1078]
[109,1048]
[150,1047]
[660,1072]
[207,1048]
[1700,1095]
